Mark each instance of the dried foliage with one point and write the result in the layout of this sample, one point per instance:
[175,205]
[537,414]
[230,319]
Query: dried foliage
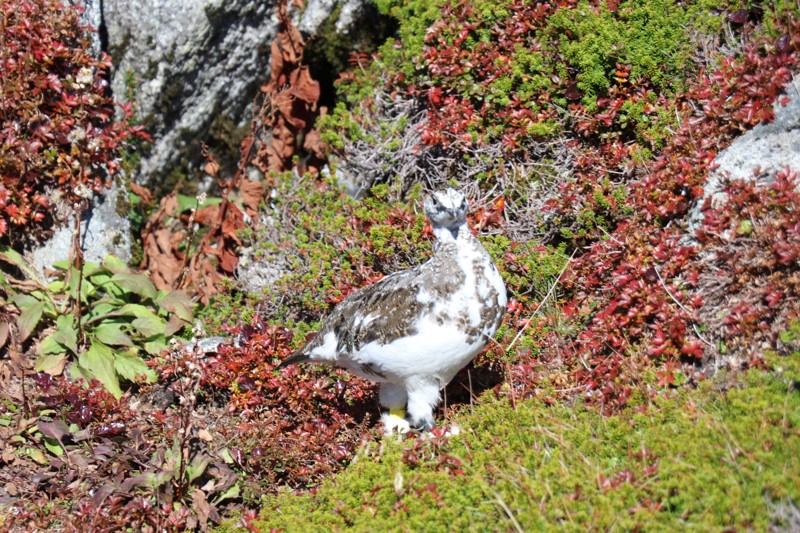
[293,95]
[197,246]
[58,132]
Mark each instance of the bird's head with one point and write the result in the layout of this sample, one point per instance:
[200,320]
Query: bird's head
[447,210]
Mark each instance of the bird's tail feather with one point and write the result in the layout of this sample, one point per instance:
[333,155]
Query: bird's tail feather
[298,357]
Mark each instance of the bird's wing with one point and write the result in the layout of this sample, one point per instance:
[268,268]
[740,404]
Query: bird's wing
[381,312]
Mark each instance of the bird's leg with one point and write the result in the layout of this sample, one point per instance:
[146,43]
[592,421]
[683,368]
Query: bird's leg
[422,398]
[394,398]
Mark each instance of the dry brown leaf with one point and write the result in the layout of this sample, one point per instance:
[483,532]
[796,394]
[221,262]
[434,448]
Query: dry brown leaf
[4,330]
[276,66]
[234,221]
[5,375]
[228,260]
[212,169]
[304,87]
[144,194]
[252,193]
[201,508]
[313,144]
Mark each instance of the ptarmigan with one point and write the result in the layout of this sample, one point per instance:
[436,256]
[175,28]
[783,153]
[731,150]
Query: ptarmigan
[414,330]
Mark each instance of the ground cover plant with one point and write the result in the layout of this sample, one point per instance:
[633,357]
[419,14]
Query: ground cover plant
[103,315]
[60,137]
[636,147]
[723,456]
[583,133]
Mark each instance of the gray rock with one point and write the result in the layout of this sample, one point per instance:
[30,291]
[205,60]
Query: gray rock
[189,64]
[208,345]
[255,276]
[758,154]
[104,231]
[316,11]
[186,64]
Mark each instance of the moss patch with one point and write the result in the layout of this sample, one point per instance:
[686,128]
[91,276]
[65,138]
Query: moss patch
[723,456]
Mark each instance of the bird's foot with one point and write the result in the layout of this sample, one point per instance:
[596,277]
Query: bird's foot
[395,422]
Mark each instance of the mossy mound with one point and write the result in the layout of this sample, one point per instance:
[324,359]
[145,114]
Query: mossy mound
[720,457]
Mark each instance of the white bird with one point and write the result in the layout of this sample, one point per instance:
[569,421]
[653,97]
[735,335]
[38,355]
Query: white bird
[413,330]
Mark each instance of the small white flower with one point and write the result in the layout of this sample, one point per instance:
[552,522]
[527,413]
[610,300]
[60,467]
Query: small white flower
[82,191]
[198,329]
[76,135]
[85,77]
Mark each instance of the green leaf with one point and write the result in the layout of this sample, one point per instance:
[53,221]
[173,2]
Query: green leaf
[73,276]
[179,303]
[132,368]
[137,310]
[77,372]
[101,278]
[104,280]
[90,269]
[136,283]
[197,467]
[23,301]
[57,286]
[37,455]
[29,319]
[87,291]
[64,264]
[101,309]
[53,447]
[232,492]
[11,256]
[111,334]
[150,326]
[52,364]
[99,359]
[225,455]
[44,296]
[155,345]
[50,345]
[115,264]
[66,333]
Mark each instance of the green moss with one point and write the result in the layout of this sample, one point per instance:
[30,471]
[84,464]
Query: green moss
[654,41]
[708,459]
[652,38]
